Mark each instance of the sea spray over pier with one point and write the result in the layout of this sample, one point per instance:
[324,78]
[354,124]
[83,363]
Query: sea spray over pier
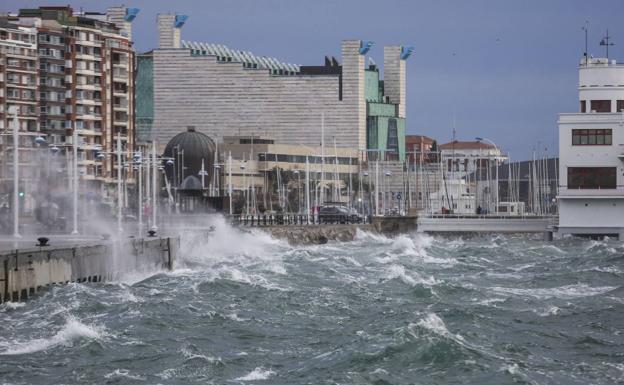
[246,308]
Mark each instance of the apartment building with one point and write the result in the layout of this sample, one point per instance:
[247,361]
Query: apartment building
[18,95]
[75,72]
[591,152]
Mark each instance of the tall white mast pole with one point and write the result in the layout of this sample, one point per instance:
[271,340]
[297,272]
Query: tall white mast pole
[377,187]
[75,181]
[203,172]
[230,180]
[307,191]
[140,202]
[148,192]
[322,196]
[154,177]
[16,233]
[119,171]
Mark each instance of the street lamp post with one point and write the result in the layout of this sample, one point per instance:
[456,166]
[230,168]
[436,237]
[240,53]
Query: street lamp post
[138,166]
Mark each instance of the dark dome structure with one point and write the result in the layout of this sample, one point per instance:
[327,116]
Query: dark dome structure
[188,150]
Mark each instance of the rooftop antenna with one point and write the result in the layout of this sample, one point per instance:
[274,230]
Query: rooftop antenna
[605,42]
[586,29]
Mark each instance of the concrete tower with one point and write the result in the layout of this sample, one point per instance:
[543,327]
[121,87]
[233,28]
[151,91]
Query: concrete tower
[394,75]
[353,81]
[169,26]
[122,17]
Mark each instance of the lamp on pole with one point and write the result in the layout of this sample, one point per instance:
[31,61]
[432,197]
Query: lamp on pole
[138,161]
[497,159]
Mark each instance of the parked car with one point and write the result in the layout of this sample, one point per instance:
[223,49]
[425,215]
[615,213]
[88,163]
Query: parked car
[338,214]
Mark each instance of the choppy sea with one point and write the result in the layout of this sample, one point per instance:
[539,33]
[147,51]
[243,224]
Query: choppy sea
[243,308]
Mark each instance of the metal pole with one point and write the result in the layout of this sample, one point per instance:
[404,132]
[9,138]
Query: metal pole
[75,181]
[322,197]
[377,187]
[154,176]
[230,180]
[119,171]
[298,192]
[307,192]
[148,177]
[140,202]
[16,233]
[202,175]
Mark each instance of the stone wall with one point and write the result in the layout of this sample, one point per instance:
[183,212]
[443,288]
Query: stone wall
[315,234]
[23,272]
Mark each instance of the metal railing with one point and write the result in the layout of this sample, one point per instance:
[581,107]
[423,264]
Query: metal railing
[487,216]
[295,219]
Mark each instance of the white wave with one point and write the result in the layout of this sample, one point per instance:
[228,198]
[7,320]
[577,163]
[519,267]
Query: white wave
[235,274]
[257,374]
[552,310]
[562,292]
[350,260]
[123,373]
[435,324]
[512,369]
[226,243]
[398,272]
[12,305]
[234,317]
[189,355]
[72,331]
[361,235]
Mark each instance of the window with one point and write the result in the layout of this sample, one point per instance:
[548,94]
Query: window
[592,177]
[592,137]
[583,106]
[601,105]
[620,106]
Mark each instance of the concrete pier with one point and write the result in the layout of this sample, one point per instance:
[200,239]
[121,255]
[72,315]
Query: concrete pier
[25,271]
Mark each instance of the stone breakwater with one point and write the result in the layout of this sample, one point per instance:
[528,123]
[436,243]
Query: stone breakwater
[25,271]
[319,234]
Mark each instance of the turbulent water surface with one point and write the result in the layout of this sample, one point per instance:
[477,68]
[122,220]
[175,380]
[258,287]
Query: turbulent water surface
[246,309]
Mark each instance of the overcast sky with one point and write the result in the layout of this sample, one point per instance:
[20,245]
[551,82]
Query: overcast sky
[503,69]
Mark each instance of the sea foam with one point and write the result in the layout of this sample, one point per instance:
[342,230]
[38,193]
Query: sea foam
[72,331]
[257,374]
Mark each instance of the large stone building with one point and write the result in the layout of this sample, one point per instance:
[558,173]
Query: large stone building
[224,92]
[67,71]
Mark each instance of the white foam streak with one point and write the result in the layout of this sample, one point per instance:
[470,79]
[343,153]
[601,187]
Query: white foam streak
[123,373]
[72,331]
[413,279]
[562,292]
[257,374]
[435,324]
